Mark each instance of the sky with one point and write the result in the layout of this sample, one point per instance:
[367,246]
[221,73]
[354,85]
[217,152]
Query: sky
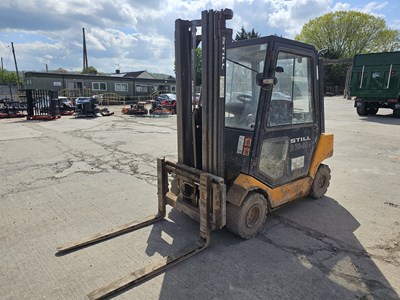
[135,35]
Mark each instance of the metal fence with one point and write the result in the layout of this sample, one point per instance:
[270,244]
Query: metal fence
[42,104]
[8,91]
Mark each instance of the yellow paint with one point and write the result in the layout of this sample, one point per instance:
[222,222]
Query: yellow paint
[278,195]
[323,151]
[293,190]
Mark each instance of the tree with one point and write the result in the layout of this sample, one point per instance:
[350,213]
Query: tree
[61,71]
[198,66]
[89,70]
[8,77]
[346,33]
[244,35]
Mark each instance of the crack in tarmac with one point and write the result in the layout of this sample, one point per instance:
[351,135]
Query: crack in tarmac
[122,161]
[114,160]
[336,247]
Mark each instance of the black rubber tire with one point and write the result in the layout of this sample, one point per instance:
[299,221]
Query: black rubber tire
[247,220]
[373,110]
[362,110]
[396,113]
[321,182]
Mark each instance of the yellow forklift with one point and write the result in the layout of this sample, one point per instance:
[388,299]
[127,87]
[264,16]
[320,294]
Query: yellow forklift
[255,142]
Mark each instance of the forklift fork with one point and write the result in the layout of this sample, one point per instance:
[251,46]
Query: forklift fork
[149,271]
[210,213]
[102,236]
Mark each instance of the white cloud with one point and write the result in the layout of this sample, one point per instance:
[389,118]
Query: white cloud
[292,15]
[138,34]
[373,6]
[339,6]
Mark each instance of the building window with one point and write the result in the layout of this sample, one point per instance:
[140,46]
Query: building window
[99,86]
[142,88]
[121,87]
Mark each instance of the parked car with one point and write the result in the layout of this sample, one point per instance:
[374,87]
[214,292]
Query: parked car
[166,97]
[65,102]
[66,105]
[81,100]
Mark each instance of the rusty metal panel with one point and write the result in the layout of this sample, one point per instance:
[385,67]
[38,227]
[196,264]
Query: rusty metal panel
[162,186]
[204,205]
[219,205]
[207,187]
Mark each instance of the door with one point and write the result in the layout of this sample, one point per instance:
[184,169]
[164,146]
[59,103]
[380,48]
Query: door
[73,85]
[245,59]
[289,128]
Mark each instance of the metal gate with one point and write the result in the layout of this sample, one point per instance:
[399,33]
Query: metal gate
[42,105]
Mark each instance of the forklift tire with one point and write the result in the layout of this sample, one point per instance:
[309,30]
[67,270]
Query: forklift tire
[321,182]
[247,220]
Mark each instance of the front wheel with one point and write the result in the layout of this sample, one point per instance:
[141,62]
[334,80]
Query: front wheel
[247,219]
[321,182]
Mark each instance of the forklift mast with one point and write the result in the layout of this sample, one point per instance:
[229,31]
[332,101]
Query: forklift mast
[201,131]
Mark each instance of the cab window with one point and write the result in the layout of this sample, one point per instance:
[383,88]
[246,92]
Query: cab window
[291,99]
[242,93]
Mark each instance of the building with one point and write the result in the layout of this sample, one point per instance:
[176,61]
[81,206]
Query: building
[130,85]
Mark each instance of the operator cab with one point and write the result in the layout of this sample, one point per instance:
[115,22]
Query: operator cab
[272,105]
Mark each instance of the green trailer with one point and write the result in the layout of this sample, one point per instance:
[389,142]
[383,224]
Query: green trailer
[375,82]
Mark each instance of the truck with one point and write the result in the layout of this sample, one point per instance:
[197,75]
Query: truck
[375,82]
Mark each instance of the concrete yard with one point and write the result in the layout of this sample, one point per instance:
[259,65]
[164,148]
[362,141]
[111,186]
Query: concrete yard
[63,180]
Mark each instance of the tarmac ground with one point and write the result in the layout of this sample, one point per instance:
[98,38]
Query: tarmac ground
[65,179]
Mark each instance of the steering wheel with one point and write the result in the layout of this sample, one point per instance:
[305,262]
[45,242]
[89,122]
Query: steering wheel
[244,98]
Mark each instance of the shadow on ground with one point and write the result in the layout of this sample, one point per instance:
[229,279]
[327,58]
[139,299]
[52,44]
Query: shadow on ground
[382,119]
[307,250]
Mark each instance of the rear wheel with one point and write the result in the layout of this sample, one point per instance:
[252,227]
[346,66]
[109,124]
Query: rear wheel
[247,219]
[321,182]
[362,109]
[373,110]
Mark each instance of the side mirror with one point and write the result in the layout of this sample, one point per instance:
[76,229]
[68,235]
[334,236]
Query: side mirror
[265,81]
[279,69]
